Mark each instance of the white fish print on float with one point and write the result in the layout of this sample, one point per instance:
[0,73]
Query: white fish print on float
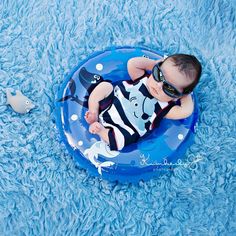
[101,148]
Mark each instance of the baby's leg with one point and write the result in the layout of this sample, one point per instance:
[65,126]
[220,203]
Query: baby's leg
[99,129]
[100,92]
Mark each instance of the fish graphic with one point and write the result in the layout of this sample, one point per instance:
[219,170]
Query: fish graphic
[100,148]
[88,81]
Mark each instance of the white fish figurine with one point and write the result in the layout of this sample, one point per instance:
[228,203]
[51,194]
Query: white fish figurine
[19,103]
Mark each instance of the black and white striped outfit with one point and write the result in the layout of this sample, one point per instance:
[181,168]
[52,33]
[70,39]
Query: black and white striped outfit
[118,112]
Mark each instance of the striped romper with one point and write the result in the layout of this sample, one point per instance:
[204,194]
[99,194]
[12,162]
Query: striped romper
[130,112]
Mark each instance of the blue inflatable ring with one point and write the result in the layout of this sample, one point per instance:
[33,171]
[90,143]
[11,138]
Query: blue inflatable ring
[163,149]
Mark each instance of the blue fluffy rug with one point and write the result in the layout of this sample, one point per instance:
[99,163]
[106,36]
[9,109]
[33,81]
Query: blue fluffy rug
[42,191]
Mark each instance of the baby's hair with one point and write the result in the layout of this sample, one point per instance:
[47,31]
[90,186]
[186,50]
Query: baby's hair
[190,66]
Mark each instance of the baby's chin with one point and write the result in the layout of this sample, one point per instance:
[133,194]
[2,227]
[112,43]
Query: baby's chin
[161,97]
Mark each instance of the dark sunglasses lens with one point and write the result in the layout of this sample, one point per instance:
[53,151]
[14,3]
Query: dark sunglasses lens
[156,73]
[167,88]
[170,91]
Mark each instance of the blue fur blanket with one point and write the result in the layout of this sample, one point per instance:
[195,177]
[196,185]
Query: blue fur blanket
[42,191]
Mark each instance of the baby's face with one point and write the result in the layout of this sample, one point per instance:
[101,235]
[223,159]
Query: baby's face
[172,76]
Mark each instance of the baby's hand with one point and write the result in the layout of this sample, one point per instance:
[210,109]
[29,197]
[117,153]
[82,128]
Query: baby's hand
[91,117]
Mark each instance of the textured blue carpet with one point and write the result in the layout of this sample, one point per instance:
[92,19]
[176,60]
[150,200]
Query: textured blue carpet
[42,192]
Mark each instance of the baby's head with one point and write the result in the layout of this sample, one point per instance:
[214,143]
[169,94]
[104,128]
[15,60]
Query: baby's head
[190,67]
[175,77]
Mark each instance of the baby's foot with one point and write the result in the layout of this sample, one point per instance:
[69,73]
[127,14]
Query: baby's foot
[96,128]
[91,117]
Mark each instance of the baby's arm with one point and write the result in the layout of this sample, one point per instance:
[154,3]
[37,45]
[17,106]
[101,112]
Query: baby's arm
[138,65]
[101,91]
[182,111]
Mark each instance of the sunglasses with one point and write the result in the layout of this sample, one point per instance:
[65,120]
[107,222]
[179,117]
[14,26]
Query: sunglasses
[168,88]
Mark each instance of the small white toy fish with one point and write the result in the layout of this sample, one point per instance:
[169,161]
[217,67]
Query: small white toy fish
[19,102]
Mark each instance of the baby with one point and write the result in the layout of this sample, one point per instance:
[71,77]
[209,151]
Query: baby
[120,114]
